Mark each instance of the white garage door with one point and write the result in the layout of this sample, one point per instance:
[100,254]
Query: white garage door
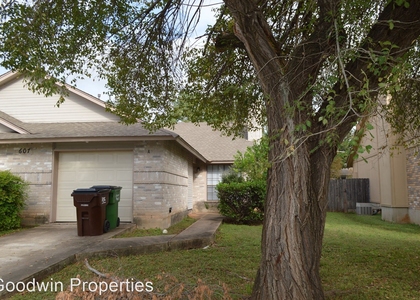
[85,169]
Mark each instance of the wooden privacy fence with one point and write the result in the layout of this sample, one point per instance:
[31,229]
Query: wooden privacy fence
[344,193]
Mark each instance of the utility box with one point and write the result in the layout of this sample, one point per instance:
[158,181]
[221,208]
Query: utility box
[112,207]
[91,211]
[363,208]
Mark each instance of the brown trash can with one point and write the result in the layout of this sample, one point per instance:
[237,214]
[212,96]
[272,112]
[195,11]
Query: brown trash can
[91,211]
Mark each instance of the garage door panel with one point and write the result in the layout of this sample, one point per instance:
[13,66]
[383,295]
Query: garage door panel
[126,193]
[85,169]
[68,176]
[87,157]
[107,175]
[68,158]
[85,176]
[124,160]
[106,157]
[124,175]
[68,213]
[124,210]
[65,193]
[67,210]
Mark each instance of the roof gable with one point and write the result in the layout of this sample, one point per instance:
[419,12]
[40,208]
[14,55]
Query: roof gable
[22,104]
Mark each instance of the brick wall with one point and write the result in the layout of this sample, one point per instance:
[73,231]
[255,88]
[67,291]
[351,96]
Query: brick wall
[160,183]
[200,188]
[413,179]
[33,163]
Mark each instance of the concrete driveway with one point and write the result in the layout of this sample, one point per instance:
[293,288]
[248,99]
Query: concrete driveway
[33,250]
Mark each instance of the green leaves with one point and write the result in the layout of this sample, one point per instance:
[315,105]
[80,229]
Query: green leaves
[253,163]
[242,202]
[323,120]
[404,3]
[13,191]
[56,40]
[242,192]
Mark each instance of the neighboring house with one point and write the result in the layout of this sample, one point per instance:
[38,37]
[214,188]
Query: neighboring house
[163,175]
[393,172]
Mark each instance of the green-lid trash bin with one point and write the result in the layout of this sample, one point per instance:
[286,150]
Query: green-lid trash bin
[91,211]
[112,207]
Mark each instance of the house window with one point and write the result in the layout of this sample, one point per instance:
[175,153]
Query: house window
[214,176]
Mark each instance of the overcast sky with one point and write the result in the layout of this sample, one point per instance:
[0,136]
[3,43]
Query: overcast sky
[96,87]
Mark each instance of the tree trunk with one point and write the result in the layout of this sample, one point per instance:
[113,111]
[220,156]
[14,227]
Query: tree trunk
[294,219]
[293,228]
[295,207]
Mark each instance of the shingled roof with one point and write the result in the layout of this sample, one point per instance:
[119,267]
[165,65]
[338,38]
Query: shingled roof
[80,130]
[210,143]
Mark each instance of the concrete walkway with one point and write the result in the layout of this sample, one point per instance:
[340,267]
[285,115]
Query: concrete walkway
[41,251]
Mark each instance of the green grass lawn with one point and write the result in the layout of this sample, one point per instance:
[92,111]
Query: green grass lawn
[363,258]
[367,258]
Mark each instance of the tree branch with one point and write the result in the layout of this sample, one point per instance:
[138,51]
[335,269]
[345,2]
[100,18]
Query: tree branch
[308,56]
[94,270]
[228,40]
[402,35]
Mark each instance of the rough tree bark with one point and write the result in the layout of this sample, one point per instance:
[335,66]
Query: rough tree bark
[298,180]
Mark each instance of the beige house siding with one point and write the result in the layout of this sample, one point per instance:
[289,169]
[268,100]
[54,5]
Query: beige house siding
[386,167]
[19,102]
[33,163]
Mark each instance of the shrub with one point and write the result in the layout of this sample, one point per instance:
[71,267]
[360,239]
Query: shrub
[232,176]
[253,163]
[242,202]
[13,192]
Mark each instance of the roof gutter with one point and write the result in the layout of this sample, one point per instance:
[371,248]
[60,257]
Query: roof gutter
[6,77]
[13,126]
[220,162]
[84,139]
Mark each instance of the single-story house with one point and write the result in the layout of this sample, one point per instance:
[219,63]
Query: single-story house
[163,175]
[393,172]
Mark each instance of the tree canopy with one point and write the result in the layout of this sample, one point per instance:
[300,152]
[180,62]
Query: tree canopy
[141,48]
